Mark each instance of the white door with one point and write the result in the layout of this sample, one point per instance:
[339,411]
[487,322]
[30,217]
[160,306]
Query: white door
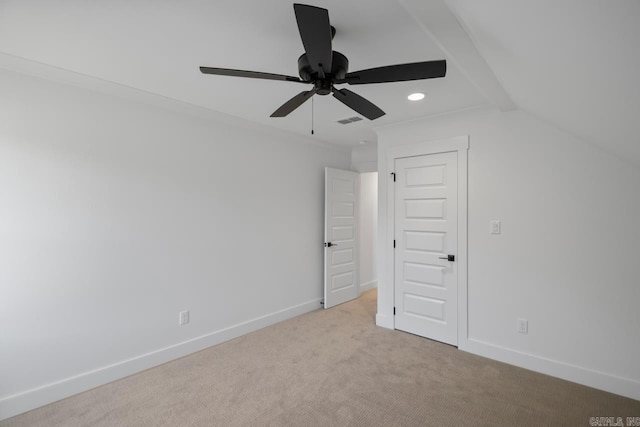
[426,283]
[340,228]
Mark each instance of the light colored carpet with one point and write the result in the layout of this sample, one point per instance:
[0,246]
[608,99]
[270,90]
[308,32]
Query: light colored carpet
[333,368]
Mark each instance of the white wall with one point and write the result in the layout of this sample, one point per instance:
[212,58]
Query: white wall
[368,230]
[567,258]
[364,158]
[115,215]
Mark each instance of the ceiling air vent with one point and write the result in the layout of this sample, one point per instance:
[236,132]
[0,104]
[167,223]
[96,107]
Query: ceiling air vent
[350,120]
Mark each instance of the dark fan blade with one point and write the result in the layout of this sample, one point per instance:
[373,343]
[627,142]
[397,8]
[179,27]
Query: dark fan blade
[315,32]
[358,103]
[398,73]
[293,103]
[251,74]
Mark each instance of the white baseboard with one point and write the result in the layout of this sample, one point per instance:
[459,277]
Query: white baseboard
[34,398]
[368,286]
[384,321]
[577,374]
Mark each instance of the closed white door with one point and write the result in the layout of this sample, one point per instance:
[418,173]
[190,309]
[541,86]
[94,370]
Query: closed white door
[340,234]
[426,283]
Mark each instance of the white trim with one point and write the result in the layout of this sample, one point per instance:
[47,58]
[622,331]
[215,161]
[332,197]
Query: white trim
[459,144]
[34,398]
[463,253]
[368,286]
[566,371]
[384,321]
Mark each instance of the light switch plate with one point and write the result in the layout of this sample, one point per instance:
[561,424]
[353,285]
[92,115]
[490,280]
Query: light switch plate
[495,227]
[183,317]
[523,326]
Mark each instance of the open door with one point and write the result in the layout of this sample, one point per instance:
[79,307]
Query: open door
[340,233]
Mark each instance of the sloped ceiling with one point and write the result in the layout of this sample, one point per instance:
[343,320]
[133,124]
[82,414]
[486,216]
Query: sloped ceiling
[573,63]
[157,46]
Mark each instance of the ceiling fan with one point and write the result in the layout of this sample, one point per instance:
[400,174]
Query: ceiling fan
[324,68]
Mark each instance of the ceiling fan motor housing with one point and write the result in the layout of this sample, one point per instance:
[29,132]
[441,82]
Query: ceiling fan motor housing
[339,68]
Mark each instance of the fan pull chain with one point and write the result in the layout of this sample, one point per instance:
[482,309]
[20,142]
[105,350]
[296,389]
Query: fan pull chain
[311,115]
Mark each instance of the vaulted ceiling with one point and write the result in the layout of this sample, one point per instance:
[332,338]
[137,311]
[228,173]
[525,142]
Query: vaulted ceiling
[570,62]
[573,63]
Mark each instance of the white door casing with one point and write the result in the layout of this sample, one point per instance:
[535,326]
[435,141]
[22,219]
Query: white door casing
[341,281]
[426,239]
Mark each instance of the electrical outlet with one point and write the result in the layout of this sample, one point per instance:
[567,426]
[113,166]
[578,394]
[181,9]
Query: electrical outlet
[495,227]
[183,317]
[523,326]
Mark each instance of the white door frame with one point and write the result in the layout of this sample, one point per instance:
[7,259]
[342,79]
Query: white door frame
[460,145]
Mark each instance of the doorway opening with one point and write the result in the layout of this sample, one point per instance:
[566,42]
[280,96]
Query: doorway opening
[351,211]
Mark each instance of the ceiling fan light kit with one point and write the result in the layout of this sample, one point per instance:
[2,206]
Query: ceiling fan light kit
[324,68]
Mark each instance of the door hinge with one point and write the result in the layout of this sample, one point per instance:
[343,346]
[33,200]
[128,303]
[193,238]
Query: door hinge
[393,174]
[394,244]
[394,311]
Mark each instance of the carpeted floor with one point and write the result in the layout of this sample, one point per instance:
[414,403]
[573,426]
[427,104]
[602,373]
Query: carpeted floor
[333,367]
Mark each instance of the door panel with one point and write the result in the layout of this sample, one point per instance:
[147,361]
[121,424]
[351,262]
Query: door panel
[426,231]
[340,258]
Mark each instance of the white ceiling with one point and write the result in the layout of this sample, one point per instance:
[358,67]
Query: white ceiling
[573,63]
[157,46]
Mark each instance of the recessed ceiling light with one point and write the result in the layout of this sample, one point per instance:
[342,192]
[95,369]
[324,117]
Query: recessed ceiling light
[416,96]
